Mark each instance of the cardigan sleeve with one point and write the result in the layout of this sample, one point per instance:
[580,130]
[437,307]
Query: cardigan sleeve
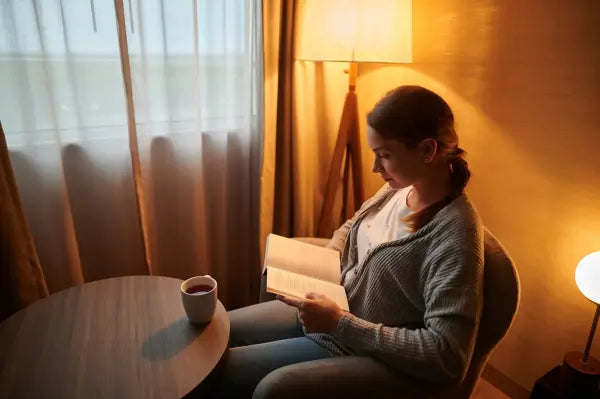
[441,350]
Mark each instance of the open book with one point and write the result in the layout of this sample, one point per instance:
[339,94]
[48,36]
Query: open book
[295,268]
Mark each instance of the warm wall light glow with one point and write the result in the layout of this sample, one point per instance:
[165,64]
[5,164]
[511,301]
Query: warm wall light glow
[587,276]
[354,30]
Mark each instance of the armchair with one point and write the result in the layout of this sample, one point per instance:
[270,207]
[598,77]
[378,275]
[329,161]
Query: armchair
[357,376]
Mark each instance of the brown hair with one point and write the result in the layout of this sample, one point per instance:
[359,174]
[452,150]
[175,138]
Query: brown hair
[411,114]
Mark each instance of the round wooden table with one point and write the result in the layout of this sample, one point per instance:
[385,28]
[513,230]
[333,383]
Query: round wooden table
[125,337]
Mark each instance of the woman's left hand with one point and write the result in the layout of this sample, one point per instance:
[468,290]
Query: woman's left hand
[318,313]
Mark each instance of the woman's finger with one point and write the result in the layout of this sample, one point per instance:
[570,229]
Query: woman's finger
[290,301]
[312,295]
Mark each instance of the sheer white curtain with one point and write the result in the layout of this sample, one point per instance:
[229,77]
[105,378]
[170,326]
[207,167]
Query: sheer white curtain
[173,194]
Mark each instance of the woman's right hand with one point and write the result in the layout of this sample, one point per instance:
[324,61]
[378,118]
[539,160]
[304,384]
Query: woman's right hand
[317,312]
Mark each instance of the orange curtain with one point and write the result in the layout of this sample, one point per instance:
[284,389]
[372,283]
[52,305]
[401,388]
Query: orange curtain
[302,107]
[277,182]
[21,278]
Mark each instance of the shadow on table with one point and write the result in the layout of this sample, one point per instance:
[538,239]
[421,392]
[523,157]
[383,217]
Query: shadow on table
[171,340]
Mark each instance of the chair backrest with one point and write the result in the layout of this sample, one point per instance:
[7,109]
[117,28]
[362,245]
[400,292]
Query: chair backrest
[501,294]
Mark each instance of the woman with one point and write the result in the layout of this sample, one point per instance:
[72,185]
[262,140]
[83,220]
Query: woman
[412,265]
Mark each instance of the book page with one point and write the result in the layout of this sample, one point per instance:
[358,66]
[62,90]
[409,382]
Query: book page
[287,283]
[303,258]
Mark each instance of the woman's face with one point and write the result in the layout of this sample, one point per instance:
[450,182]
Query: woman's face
[394,161]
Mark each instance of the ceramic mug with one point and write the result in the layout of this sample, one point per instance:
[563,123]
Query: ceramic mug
[199,296]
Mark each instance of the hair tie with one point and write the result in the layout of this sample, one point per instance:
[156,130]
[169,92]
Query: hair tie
[457,152]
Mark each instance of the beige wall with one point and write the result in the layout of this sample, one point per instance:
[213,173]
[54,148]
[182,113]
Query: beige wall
[523,78]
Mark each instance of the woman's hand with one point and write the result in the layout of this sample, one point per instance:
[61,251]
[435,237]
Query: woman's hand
[318,313]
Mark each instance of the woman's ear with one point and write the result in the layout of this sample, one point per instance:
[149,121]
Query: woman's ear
[428,149]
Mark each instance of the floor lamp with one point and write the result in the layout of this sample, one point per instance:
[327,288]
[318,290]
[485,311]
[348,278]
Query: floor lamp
[352,31]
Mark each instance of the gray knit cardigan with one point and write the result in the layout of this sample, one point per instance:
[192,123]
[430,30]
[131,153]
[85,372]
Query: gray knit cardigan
[415,303]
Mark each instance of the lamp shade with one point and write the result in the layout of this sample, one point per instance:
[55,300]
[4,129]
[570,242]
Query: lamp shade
[587,277]
[354,30]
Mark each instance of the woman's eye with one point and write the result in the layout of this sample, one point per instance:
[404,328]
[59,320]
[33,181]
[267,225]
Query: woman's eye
[382,155]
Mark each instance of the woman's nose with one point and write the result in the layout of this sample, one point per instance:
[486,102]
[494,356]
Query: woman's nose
[376,168]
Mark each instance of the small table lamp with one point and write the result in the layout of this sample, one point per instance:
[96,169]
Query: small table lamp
[351,31]
[587,276]
[579,375]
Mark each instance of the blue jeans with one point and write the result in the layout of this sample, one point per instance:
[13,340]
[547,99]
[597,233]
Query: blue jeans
[263,337]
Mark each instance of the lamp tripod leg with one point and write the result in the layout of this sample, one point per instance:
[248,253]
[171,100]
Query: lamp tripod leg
[342,148]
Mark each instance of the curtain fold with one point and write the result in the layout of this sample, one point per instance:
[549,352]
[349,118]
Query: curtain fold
[277,180]
[134,134]
[21,277]
[283,218]
[131,125]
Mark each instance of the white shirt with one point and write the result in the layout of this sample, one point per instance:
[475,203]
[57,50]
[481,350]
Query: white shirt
[381,225]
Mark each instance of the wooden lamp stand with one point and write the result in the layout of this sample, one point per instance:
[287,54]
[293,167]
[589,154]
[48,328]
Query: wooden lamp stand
[348,142]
